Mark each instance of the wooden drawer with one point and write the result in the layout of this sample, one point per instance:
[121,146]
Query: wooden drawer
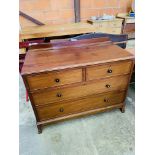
[110,69]
[93,102]
[109,84]
[55,78]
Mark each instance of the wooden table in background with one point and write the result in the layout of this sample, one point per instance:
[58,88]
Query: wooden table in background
[56,30]
[68,29]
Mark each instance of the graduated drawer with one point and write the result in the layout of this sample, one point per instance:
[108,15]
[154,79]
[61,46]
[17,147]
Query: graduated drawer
[108,84]
[86,104]
[55,78]
[110,69]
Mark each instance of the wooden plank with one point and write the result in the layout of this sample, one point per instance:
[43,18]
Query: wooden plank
[77,10]
[30,18]
[56,30]
[61,44]
[104,21]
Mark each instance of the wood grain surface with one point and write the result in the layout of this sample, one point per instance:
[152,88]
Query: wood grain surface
[55,78]
[59,94]
[76,79]
[109,69]
[56,30]
[93,102]
[49,60]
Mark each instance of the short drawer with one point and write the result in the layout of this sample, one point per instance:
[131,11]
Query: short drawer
[86,104]
[55,78]
[110,69]
[108,84]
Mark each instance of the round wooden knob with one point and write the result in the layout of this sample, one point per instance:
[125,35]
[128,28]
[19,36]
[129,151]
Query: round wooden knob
[57,80]
[59,94]
[106,100]
[109,71]
[61,109]
[108,86]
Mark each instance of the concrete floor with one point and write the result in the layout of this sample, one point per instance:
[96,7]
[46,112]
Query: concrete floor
[108,133]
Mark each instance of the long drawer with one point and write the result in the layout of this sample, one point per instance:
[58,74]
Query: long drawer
[55,78]
[108,84]
[86,104]
[111,69]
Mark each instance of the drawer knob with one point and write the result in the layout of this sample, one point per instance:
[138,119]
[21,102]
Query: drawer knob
[59,94]
[57,80]
[108,86]
[61,109]
[109,71]
[106,100]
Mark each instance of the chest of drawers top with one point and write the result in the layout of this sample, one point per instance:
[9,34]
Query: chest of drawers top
[45,60]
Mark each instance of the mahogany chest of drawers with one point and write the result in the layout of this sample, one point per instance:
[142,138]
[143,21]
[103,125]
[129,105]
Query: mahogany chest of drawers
[76,81]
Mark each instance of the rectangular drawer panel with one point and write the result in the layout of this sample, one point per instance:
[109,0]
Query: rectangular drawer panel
[55,78]
[109,84]
[93,102]
[111,69]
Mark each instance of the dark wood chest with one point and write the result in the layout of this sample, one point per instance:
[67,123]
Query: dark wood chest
[75,81]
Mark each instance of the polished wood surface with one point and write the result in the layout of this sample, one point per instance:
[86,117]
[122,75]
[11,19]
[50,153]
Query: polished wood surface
[55,78]
[77,115]
[76,106]
[61,44]
[59,94]
[77,80]
[50,60]
[110,69]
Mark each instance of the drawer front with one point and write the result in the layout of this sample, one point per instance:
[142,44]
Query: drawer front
[51,79]
[109,84]
[111,69]
[94,102]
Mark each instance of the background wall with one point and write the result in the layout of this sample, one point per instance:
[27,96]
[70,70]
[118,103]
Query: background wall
[62,11]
